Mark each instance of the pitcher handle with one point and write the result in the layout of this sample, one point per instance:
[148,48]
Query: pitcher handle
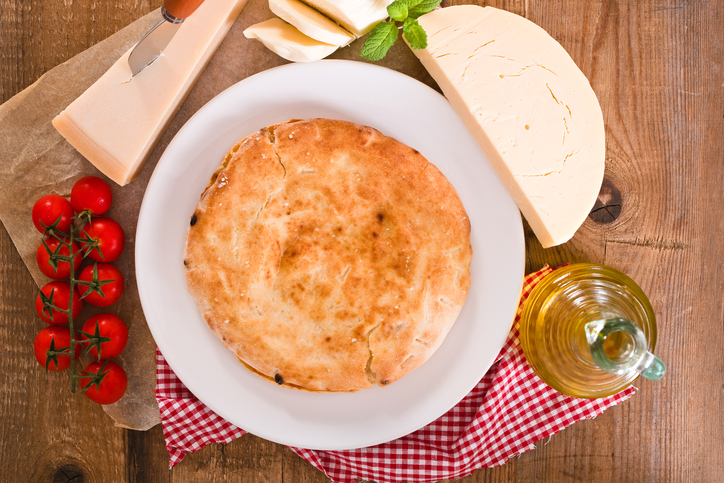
[635,357]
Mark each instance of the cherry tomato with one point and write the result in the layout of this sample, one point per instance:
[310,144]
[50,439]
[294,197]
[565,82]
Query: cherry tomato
[108,326]
[107,279]
[57,293]
[107,239]
[48,347]
[49,209]
[105,382]
[91,194]
[61,269]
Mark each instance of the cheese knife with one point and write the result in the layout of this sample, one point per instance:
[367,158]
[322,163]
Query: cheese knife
[150,47]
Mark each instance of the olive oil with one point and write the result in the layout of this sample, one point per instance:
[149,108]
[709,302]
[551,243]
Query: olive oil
[555,319]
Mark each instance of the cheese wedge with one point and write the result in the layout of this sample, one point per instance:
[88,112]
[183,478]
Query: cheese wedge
[528,105]
[357,16]
[286,41]
[117,122]
[310,22]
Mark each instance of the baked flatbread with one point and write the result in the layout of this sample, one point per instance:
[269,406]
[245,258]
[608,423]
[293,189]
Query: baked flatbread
[327,256]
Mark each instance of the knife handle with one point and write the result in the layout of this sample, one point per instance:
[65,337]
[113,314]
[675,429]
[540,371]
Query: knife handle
[178,10]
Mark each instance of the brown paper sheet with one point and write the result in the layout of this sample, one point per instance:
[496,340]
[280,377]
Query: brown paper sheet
[35,160]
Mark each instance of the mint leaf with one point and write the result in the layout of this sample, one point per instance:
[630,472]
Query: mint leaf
[423,7]
[384,34]
[414,33]
[380,39]
[397,10]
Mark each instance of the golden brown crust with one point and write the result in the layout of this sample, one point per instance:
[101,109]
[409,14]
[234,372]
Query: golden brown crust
[329,255]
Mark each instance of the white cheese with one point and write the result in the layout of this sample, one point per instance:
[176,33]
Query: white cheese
[289,43]
[117,122]
[310,22]
[528,105]
[357,16]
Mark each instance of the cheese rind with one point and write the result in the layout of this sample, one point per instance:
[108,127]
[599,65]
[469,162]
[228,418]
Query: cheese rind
[310,22]
[288,42]
[529,107]
[357,16]
[117,122]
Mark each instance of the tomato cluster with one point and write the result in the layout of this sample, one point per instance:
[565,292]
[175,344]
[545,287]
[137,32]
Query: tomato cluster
[74,231]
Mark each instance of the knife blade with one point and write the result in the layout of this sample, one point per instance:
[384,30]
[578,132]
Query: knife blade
[150,47]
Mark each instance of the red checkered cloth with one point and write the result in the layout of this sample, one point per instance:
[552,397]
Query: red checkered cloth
[504,415]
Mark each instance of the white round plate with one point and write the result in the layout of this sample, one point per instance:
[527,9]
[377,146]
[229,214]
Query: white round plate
[402,108]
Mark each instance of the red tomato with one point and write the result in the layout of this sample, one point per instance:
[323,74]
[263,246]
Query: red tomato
[107,239]
[105,382]
[101,327]
[61,269]
[58,294]
[50,345]
[91,194]
[51,209]
[106,284]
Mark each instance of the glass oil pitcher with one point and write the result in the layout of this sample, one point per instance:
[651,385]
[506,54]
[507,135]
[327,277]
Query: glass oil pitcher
[588,331]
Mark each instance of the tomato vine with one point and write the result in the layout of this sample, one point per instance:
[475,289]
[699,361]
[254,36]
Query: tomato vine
[60,245]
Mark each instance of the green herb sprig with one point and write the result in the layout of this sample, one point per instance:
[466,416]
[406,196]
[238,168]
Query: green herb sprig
[402,14]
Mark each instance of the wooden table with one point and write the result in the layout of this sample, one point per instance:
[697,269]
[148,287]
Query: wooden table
[658,69]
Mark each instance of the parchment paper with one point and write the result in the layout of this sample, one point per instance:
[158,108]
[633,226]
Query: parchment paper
[35,160]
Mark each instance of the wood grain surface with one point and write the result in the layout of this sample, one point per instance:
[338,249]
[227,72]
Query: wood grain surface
[658,69]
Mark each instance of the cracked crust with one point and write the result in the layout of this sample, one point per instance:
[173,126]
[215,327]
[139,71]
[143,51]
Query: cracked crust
[327,256]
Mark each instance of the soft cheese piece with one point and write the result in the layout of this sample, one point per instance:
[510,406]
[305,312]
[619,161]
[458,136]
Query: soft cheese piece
[530,108]
[310,22]
[117,122]
[357,16]
[288,42]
